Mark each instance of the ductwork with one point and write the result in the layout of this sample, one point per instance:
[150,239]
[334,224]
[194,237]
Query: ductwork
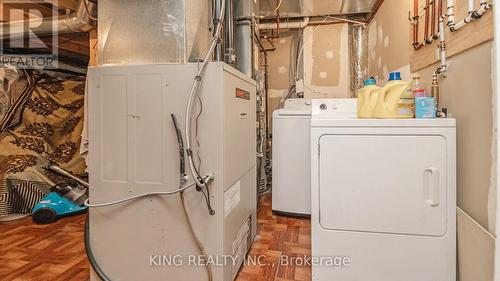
[82,20]
[358,54]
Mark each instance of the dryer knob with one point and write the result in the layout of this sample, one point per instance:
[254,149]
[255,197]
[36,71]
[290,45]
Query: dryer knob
[323,106]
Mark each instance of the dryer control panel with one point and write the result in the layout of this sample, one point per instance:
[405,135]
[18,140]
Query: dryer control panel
[334,108]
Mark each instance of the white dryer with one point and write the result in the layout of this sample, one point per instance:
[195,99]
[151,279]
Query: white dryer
[383,198]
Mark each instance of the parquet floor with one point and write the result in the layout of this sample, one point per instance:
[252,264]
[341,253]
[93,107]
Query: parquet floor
[43,252]
[55,252]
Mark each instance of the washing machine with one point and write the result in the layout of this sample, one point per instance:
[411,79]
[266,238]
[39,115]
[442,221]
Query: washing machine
[291,169]
[383,197]
[291,154]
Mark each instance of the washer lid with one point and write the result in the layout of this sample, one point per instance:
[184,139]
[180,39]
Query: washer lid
[293,112]
[296,107]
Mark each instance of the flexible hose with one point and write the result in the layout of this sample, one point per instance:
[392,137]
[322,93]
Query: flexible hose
[111,203]
[194,92]
[199,244]
[189,107]
[93,263]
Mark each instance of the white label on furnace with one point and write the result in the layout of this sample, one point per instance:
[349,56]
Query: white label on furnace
[231,198]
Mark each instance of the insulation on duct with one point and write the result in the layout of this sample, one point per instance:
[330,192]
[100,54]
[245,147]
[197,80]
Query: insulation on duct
[358,55]
[158,31]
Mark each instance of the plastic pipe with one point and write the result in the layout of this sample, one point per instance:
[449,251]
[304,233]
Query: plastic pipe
[471,16]
[442,47]
[450,12]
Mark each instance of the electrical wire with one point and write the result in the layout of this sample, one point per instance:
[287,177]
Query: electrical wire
[278,6]
[197,240]
[200,102]
[111,203]
[90,255]
[193,93]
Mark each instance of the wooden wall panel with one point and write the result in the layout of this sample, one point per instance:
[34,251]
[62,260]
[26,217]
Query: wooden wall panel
[471,35]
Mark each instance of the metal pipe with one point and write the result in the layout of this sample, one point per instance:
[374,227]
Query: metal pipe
[415,22]
[426,30]
[229,42]
[82,20]
[435,89]
[433,22]
[286,25]
[219,50]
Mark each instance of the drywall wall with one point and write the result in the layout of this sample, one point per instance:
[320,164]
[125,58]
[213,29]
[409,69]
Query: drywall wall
[468,94]
[323,65]
[475,250]
[281,67]
[388,47]
[326,61]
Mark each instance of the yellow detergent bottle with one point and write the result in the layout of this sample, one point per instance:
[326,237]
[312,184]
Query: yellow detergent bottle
[395,100]
[367,98]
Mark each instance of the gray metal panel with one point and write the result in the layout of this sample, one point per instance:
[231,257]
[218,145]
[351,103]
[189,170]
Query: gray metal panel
[167,34]
[358,6]
[239,120]
[301,8]
[125,236]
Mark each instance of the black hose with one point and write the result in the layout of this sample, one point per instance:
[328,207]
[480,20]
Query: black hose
[90,255]
[182,159]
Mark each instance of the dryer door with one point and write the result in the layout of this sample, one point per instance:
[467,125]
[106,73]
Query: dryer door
[393,184]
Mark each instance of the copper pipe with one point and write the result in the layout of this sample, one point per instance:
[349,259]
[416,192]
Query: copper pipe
[433,24]
[415,22]
[426,32]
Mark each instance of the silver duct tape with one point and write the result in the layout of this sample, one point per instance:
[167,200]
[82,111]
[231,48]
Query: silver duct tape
[358,55]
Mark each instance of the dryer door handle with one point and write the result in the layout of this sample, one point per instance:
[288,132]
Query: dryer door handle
[431,186]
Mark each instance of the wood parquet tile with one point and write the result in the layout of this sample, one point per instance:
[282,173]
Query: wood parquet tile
[278,237]
[43,252]
[55,252]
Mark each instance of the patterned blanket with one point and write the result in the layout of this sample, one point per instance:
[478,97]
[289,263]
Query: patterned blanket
[43,125]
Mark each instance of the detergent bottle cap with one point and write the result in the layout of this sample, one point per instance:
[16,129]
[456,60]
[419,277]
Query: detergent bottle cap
[395,76]
[370,82]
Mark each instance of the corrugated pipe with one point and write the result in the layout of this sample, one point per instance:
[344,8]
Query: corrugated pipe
[82,20]
[358,55]
[471,15]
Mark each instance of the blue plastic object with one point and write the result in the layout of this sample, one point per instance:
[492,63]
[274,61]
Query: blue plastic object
[425,107]
[54,206]
[370,82]
[395,76]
